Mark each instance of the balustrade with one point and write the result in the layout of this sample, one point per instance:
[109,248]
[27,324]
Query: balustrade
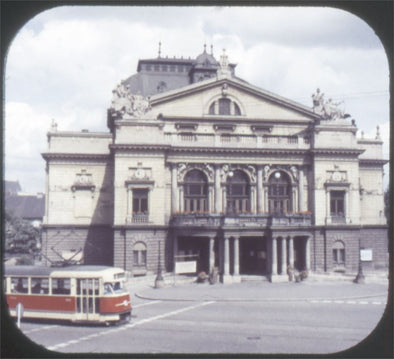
[241,219]
[235,140]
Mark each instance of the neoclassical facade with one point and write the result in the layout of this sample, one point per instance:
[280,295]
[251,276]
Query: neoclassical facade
[202,170]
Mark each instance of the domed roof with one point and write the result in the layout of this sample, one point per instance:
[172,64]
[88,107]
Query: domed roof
[206,60]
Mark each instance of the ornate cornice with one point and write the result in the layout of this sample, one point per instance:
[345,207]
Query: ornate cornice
[337,151]
[372,162]
[145,147]
[75,156]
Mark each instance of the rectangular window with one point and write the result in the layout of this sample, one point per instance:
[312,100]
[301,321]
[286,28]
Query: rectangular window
[61,286]
[224,106]
[337,203]
[338,256]
[40,285]
[19,285]
[139,258]
[140,201]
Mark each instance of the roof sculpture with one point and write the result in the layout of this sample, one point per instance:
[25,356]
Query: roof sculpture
[328,109]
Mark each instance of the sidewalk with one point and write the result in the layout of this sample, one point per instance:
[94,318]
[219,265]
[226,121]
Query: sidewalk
[186,289]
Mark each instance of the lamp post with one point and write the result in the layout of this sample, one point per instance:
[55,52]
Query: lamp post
[360,278]
[159,281]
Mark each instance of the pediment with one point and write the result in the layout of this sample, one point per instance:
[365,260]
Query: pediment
[247,102]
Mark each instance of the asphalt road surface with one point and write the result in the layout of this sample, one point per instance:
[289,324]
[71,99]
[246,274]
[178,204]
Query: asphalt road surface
[214,325]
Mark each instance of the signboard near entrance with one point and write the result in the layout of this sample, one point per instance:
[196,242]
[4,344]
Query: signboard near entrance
[366,255]
[185,267]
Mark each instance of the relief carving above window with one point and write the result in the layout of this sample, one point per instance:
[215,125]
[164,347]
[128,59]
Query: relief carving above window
[83,181]
[206,168]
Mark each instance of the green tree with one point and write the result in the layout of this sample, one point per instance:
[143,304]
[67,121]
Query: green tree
[20,235]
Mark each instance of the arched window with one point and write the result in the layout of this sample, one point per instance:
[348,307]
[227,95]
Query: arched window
[338,254]
[237,110]
[224,106]
[279,193]
[238,192]
[212,108]
[195,192]
[139,255]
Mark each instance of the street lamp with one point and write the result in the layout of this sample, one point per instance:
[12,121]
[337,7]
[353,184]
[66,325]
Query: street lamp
[159,281]
[360,278]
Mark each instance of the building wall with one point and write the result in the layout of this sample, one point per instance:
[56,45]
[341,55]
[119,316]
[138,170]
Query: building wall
[125,240]
[353,238]
[90,244]
[83,206]
[372,195]
[125,167]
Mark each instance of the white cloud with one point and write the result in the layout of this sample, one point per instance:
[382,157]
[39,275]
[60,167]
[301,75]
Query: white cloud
[65,62]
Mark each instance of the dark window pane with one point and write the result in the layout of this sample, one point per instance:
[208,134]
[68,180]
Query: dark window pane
[224,106]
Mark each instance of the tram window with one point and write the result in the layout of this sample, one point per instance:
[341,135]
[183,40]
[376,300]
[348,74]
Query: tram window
[19,285]
[108,288]
[40,285]
[61,286]
[112,288]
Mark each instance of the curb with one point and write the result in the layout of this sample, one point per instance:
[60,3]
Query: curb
[257,300]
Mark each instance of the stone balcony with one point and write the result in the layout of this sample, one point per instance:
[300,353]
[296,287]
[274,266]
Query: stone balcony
[236,141]
[241,220]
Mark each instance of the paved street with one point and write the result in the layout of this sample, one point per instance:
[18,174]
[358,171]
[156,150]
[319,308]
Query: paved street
[249,317]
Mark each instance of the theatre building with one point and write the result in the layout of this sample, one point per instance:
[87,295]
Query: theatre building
[200,169]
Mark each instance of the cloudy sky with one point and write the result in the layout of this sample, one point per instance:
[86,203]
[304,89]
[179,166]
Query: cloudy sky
[64,63]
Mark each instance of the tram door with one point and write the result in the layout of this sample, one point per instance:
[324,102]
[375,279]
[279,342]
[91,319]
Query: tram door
[88,298]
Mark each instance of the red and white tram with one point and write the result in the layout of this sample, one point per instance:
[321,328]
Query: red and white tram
[76,293]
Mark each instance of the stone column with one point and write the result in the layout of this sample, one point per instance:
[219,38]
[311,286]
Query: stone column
[293,199]
[283,257]
[224,199]
[253,199]
[346,210]
[211,253]
[175,249]
[260,190]
[266,207]
[308,254]
[174,189]
[226,268]
[300,190]
[129,214]
[210,199]
[274,259]
[181,201]
[291,252]
[218,207]
[328,215]
[236,256]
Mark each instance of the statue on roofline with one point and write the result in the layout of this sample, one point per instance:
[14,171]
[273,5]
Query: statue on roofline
[124,102]
[329,110]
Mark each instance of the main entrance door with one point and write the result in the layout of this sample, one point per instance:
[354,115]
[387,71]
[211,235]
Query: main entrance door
[88,298]
[253,255]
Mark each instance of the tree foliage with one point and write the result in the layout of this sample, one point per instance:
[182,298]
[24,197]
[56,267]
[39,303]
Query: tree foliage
[20,235]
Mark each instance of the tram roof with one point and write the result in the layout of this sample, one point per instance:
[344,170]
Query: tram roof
[23,270]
